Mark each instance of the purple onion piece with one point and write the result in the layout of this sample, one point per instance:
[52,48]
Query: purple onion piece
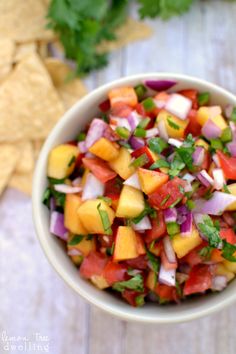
[82,147]
[232,148]
[136,143]
[210,130]
[160,85]
[186,226]
[216,205]
[170,215]
[198,156]
[57,225]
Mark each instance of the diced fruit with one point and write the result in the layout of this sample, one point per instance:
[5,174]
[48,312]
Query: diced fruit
[71,219]
[216,256]
[99,168]
[99,281]
[156,248]
[175,127]
[105,149]
[231,266]
[131,296]
[183,245]
[220,122]
[93,264]
[223,270]
[203,143]
[140,262]
[84,177]
[125,244]
[151,280]
[131,203]
[114,272]
[151,180]
[228,235]
[167,194]
[232,189]
[151,156]
[158,228]
[205,113]
[199,280]
[112,191]
[90,218]
[123,95]
[61,161]
[165,262]
[85,246]
[166,293]
[140,244]
[121,164]
[77,260]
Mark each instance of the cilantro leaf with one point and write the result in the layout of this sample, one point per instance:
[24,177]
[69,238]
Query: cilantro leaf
[172,124]
[163,8]
[159,164]
[155,263]
[75,240]
[211,232]
[228,251]
[105,220]
[148,210]
[157,145]
[135,283]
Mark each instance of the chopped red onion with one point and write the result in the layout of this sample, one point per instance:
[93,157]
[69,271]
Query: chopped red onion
[142,225]
[76,181]
[133,181]
[74,252]
[232,148]
[170,158]
[187,225]
[82,147]
[57,225]
[210,130]
[167,277]
[215,158]
[175,142]
[219,282]
[188,187]
[93,188]
[182,213]
[199,219]
[198,156]
[205,178]
[170,215]
[95,132]
[160,85]
[169,251]
[216,205]
[64,188]
[229,110]
[179,106]
[120,122]
[136,143]
[134,119]
[89,155]
[219,178]
[162,130]
[150,133]
[52,204]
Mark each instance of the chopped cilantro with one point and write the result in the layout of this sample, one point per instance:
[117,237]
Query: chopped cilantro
[165,199]
[126,145]
[228,251]
[139,300]
[140,91]
[208,229]
[140,132]
[190,204]
[81,137]
[72,160]
[159,164]
[144,123]
[233,115]
[105,199]
[56,180]
[75,240]
[104,117]
[173,124]
[110,251]
[226,189]
[140,161]
[147,211]
[157,145]
[203,98]
[205,252]
[105,220]
[46,197]
[148,104]
[135,283]
[154,261]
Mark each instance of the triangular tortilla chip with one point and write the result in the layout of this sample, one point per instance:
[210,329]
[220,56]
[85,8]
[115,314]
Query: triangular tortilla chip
[29,103]
[23,50]
[8,159]
[25,163]
[22,182]
[7,49]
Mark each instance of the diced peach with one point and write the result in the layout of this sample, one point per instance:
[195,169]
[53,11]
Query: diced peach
[140,244]
[131,203]
[170,120]
[105,149]
[123,95]
[61,161]
[121,164]
[72,221]
[151,180]
[125,244]
[183,245]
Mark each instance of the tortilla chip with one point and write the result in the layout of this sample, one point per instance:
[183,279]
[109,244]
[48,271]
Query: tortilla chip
[131,31]
[43,49]
[29,104]
[24,49]
[7,49]
[22,182]
[24,20]
[70,90]
[8,159]
[37,144]
[25,162]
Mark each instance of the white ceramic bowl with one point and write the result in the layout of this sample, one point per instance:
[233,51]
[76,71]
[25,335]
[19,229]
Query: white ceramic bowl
[66,129]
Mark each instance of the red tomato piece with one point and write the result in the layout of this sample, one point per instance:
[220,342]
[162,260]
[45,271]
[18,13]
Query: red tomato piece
[121,110]
[165,262]
[114,272]
[167,194]
[228,235]
[137,263]
[166,292]
[130,296]
[192,95]
[193,127]
[99,168]
[158,228]
[200,279]
[140,244]
[228,165]
[93,264]
[193,257]
[144,150]
[105,106]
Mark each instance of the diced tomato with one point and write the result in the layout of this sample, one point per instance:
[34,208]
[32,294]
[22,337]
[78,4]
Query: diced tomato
[167,194]
[121,110]
[126,95]
[192,95]
[105,106]
[158,228]
[130,296]
[113,190]
[206,161]
[72,142]
[156,248]
[106,240]
[140,244]
[137,263]
[200,279]
[228,165]
[228,218]
[166,292]
[228,235]
[144,150]
[93,264]
[216,256]
[99,168]
[140,109]
[165,262]
[114,272]
[193,257]
[193,127]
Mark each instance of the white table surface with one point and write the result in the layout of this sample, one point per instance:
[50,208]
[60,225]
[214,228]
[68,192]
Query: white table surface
[34,302]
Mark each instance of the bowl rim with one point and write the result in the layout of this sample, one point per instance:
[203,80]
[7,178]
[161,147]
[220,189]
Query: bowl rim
[37,205]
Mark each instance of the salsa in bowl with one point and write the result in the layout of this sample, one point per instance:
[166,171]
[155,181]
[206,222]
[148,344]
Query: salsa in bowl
[143,196]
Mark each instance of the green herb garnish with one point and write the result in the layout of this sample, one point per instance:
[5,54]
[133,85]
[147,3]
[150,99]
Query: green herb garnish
[144,123]
[140,132]
[205,252]
[135,283]
[148,104]
[46,197]
[75,240]
[81,137]
[105,220]
[106,199]
[175,202]
[140,91]
[154,261]
[148,210]
[72,160]
[226,135]
[172,124]
[140,161]
[233,115]
[159,164]
[123,132]
[172,228]
[228,251]
[208,229]
[226,189]
[56,180]
[157,145]
[203,98]
[139,300]
[165,199]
